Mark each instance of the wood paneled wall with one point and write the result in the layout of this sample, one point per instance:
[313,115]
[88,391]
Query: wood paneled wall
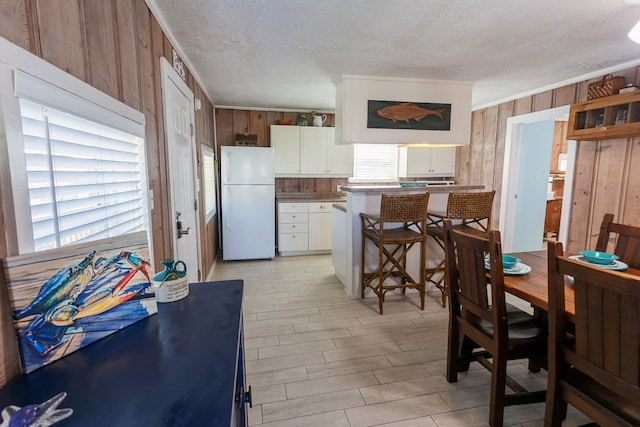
[116,47]
[607,172]
[232,121]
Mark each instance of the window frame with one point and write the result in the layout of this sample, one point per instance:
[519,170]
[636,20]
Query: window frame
[209,190]
[24,75]
[388,179]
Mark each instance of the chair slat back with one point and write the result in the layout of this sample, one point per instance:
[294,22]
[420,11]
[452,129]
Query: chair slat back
[404,207]
[467,275]
[471,207]
[627,240]
[607,321]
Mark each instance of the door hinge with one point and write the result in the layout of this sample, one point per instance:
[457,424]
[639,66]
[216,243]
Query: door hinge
[195,204]
[191,127]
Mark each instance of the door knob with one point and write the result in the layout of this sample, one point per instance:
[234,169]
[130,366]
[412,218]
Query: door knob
[181,231]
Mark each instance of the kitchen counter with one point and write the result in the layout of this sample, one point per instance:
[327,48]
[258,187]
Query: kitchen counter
[379,189]
[333,196]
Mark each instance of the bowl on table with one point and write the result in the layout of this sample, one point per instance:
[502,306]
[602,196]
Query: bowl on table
[597,257]
[508,261]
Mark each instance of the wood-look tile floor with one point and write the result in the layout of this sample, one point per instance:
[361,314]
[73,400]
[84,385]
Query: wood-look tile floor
[317,357]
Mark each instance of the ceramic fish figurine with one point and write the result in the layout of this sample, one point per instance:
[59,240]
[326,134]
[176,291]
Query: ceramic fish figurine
[408,111]
[42,415]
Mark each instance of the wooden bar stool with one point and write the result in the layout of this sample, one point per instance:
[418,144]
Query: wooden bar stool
[471,213]
[402,223]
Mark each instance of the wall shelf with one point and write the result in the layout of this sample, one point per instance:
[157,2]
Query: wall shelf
[616,116]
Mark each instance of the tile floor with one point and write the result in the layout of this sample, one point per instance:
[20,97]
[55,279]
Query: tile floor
[316,357]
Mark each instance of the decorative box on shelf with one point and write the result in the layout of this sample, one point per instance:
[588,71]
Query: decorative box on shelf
[615,116]
[609,85]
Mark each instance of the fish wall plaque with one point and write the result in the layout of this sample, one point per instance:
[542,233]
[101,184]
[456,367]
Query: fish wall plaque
[408,115]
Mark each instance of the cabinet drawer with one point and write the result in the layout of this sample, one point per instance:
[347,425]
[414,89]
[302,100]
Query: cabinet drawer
[292,207]
[293,242]
[320,207]
[294,227]
[284,218]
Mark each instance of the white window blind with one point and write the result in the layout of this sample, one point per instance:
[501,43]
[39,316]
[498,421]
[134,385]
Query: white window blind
[209,177]
[85,179]
[375,162]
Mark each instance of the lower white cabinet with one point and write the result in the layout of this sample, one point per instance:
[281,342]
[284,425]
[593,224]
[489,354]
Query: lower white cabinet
[304,228]
[320,226]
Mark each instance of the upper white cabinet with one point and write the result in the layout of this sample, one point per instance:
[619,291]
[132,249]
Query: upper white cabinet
[355,93]
[424,162]
[285,141]
[309,151]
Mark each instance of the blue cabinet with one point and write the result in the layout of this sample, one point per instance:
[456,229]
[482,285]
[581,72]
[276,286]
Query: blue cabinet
[183,366]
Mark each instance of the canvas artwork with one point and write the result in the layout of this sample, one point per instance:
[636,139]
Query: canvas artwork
[408,115]
[64,299]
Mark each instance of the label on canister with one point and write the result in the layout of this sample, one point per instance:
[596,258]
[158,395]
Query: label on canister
[171,290]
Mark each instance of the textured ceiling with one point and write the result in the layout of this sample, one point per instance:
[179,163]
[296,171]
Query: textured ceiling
[288,54]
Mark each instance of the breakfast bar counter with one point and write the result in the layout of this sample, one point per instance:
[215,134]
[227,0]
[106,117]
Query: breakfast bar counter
[366,198]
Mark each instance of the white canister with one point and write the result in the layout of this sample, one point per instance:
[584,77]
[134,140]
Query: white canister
[171,290]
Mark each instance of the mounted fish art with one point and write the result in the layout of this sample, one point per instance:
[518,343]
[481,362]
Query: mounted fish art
[408,115]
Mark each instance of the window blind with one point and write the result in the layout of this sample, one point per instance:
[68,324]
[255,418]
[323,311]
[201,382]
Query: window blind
[85,179]
[375,162]
[208,175]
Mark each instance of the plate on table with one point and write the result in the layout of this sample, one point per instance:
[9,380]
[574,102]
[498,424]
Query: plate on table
[517,270]
[615,265]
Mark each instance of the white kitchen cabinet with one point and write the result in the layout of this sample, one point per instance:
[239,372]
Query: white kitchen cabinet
[319,154]
[320,226]
[304,228]
[424,162]
[293,228]
[285,141]
[310,152]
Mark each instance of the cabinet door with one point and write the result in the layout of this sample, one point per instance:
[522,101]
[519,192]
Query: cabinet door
[431,161]
[319,226]
[418,162]
[313,150]
[285,141]
[339,157]
[443,161]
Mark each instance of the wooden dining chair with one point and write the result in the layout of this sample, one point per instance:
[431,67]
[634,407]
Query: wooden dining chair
[470,211]
[482,325]
[627,240]
[594,365]
[401,224]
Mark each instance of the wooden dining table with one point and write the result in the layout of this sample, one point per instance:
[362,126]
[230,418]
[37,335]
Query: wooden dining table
[533,287]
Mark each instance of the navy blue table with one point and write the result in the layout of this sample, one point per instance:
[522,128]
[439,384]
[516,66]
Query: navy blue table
[183,366]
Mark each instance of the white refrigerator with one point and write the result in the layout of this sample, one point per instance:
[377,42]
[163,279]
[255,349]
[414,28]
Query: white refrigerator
[248,203]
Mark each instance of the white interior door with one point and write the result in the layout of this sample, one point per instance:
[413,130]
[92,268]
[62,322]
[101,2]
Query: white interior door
[178,118]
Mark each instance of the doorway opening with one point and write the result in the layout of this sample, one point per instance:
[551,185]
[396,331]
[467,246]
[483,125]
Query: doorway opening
[529,181]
